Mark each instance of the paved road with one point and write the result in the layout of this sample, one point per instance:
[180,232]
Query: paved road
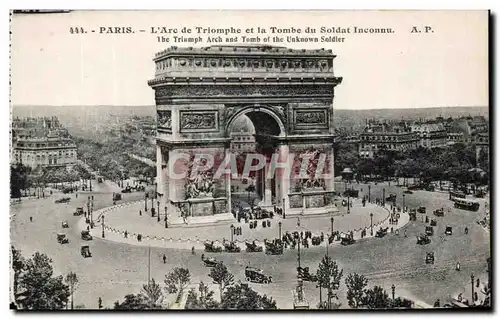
[117,269]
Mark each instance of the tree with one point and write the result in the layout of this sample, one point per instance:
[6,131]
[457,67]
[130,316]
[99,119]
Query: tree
[205,299]
[152,294]
[72,281]
[18,265]
[242,297]
[132,302]
[355,285]
[221,276]
[329,276]
[41,291]
[376,298]
[177,280]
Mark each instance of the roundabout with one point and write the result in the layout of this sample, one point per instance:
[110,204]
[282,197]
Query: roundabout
[123,223]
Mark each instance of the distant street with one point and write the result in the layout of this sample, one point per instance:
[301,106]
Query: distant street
[116,269]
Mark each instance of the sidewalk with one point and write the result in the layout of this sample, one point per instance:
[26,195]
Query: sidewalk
[125,217]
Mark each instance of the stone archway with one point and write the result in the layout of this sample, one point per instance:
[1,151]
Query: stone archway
[199,92]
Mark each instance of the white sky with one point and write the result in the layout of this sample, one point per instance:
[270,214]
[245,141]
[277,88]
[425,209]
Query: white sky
[449,67]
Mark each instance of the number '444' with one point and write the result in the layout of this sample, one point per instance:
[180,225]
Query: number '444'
[76,30]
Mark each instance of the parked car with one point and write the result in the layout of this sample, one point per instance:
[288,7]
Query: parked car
[429,258]
[423,239]
[429,231]
[62,239]
[448,231]
[209,262]
[85,251]
[86,235]
[63,200]
[64,224]
[79,211]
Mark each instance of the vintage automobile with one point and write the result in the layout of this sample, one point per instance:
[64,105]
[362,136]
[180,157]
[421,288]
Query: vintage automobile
[64,224]
[429,258]
[79,211]
[63,200]
[274,248]
[381,232]
[117,196]
[256,275]
[252,247]
[210,247]
[449,230]
[230,247]
[316,240]
[423,239]
[85,251]
[391,198]
[346,239]
[439,212]
[433,222]
[210,262]
[303,273]
[61,238]
[351,193]
[86,235]
[429,231]
[412,215]
[422,210]
[127,189]
[407,192]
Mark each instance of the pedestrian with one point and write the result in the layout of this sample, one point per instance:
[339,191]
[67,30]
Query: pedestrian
[298,222]
[392,230]
[140,212]
[31,219]
[88,228]
[405,233]
[466,230]
[126,234]
[458,266]
[192,250]
[164,259]
[477,283]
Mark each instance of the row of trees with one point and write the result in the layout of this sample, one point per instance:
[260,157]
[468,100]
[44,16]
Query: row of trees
[453,162]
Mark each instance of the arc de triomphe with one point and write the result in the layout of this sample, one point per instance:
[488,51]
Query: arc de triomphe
[287,94]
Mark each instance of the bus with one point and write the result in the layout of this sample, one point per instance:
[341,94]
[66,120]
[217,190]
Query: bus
[466,204]
[456,194]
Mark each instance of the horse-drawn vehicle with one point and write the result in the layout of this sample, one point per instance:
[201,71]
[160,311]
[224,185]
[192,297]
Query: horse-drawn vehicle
[210,262]
[256,275]
[85,251]
[230,247]
[423,239]
[346,239]
[252,247]
[429,231]
[210,247]
[381,232]
[429,258]
[62,239]
[86,235]
[274,248]
[304,274]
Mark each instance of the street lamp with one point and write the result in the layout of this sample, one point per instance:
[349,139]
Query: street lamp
[371,224]
[102,219]
[145,202]
[348,203]
[158,205]
[232,231]
[393,288]
[369,194]
[472,285]
[320,294]
[166,218]
[279,227]
[284,213]
[383,196]
[403,202]
[331,224]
